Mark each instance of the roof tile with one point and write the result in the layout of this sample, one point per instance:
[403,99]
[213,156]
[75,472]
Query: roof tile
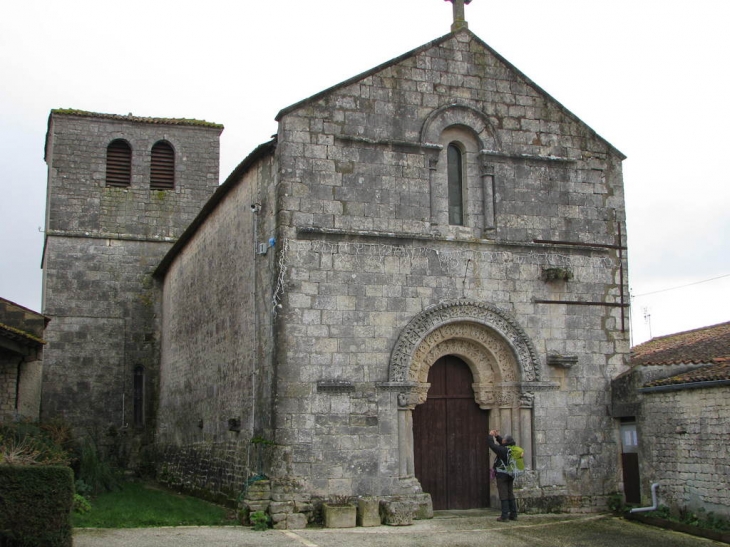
[705,345]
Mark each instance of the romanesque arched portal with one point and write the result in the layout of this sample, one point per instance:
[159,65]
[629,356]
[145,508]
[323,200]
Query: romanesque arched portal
[502,359]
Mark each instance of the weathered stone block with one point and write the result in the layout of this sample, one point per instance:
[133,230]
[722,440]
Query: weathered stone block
[296,521]
[368,512]
[281,507]
[397,511]
[339,516]
[424,507]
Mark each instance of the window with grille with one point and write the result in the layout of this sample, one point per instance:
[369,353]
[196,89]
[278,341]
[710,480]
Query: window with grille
[162,168]
[118,163]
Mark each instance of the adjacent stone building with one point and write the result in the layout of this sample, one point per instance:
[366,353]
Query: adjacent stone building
[674,406]
[21,361]
[431,249]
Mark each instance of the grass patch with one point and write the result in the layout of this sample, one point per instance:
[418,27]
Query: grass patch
[138,505]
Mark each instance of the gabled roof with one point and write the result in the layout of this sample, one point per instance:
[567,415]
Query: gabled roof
[707,345]
[435,43]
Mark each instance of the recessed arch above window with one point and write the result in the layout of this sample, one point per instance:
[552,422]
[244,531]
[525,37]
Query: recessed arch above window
[162,166]
[118,163]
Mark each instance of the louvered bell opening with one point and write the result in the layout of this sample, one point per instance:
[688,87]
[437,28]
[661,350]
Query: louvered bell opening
[118,164]
[162,170]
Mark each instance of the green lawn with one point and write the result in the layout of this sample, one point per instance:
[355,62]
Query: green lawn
[138,505]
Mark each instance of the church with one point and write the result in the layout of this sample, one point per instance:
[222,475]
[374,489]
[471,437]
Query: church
[429,250]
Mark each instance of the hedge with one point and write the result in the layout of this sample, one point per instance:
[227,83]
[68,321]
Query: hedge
[35,506]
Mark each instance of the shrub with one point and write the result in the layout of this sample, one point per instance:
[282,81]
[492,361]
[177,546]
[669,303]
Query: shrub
[615,502]
[26,443]
[259,520]
[94,473]
[35,505]
[81,504]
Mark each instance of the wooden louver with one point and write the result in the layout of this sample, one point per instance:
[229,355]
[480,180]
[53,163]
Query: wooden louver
[118,163]
[162,169]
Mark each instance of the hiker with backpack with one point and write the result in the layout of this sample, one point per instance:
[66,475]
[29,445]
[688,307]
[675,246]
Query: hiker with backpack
[506,467]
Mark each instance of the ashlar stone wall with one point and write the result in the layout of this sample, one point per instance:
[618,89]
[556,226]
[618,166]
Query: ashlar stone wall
[365,246]
[214,428]
[683,446]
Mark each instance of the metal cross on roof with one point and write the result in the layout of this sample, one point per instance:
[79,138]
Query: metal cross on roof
[459,18]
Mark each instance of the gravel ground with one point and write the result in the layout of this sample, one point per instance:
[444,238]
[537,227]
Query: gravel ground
[446,529]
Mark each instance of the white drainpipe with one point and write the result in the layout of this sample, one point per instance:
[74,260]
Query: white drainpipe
[653,500]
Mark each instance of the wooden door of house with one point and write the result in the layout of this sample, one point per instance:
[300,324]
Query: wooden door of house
[450,439]
[630,460]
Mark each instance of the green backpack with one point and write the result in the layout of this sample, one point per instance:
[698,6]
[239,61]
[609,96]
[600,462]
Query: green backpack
[515,462]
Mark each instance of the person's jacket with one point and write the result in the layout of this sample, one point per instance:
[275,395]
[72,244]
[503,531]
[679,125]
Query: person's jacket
[502,452]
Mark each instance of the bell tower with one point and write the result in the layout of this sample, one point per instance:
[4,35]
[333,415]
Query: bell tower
[121,190]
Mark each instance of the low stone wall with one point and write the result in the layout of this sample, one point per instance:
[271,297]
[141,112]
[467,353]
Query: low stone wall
[213,471]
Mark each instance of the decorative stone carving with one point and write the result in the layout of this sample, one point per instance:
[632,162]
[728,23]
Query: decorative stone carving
[478,325]
[527,400]
[507,398]
[561,361]
[486,165]
[413,395]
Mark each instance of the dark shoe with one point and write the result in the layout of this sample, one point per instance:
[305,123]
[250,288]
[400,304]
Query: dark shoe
[504,517]
[512,517]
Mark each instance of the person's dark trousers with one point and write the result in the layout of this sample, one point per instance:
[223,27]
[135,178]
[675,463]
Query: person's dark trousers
[506,497]
[512,509]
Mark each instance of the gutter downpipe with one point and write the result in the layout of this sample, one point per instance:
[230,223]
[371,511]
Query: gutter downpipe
[653,500]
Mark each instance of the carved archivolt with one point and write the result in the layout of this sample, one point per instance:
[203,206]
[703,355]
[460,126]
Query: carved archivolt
[496,349]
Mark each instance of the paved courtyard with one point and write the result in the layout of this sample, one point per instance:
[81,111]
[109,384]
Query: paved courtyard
[446,529]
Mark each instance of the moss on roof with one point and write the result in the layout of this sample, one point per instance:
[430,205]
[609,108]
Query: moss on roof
[698,346]
[130,117]
[22,334]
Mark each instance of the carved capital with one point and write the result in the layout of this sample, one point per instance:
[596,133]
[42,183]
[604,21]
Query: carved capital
[412,396]
[527,400]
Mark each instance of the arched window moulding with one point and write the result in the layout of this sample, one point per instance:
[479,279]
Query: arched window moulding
[474,134]
[457,114]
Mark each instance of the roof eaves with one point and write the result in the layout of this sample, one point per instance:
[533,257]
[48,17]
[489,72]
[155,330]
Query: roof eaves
[18,335]
[131,118]
[683,386]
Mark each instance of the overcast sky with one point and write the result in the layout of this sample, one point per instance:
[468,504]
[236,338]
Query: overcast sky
[650,76]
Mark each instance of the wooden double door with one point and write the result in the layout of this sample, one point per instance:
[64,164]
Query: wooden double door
[451,455]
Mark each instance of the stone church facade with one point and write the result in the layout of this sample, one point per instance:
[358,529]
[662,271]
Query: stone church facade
[429,250]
